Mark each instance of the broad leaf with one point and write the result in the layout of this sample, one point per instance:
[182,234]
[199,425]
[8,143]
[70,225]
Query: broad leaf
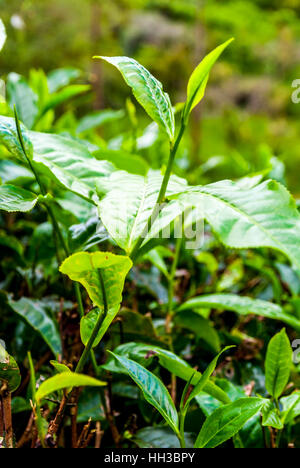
[16,199]
[227,421]
[264,215]
[123,161]
[23,97]
[66,380]
[128,203]
[60,367]
[153,390]
[144,354]
[278,364]
[147,90]
[62,96]
[9,138]
[96,119]
[201,327]
[61,77]
[9,370]
[34,313]
[70,163]
[241,305]
[85,267]
[199,78]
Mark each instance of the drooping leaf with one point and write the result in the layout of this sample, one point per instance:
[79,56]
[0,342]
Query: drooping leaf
[199,78]
[148,91]
[84,267]
[9,370]
[9,138]
[241,305]
[2,34]
[16,199]
[70,163]
[263,215]
[227,421]
[23,97]
[153,390]
[128,203]
[34,313]
[278,364]
[144,354]
[66,380]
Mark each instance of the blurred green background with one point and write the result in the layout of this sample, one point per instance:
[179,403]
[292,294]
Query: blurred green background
[246,124]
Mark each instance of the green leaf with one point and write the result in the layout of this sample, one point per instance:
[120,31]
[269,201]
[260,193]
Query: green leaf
[241,305]
[290,407]
[263,215]
[205,376]
[66,380]
[123,161]
[201,327]
[147,90]
[96,119]
[70,163]
[199,78]
[84,267]
[23,97]
[34,313]
[9,370]
[270,416]
[128,203]
[16,199]
[9,138]
[2,34]
[153,390]
[60,367]
[278,364]
[58,98]
[227,421]
[145,353]
[61,77]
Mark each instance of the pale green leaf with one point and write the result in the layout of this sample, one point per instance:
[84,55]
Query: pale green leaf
[2,34]
[147,90]
[227,421]
[60,367]
[9,138]
[290,407]
[66,380]
[199,78]
[21,95]
[16,199]
[153,390]
[270,416]
[278,364]
[61,77]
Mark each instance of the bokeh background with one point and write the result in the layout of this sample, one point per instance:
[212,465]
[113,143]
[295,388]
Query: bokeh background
[248,122]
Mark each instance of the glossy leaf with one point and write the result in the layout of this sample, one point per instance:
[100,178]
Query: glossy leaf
[2,34]
[270,416]
[128,203]
[60,367]
[34,313]
[241,305]
[16,199]
[263,215]
[145,353]
[9,370]
[61,77]
[66,380]
[227,421]
[199,78]
[278,364]
[84,267]
[290,407]
[9,138]
[148,91]
[153,390]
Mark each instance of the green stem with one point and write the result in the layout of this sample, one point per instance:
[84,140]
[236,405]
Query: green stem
[172,275]
[89,346]
[162,192]
[181,427]
[37,408]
